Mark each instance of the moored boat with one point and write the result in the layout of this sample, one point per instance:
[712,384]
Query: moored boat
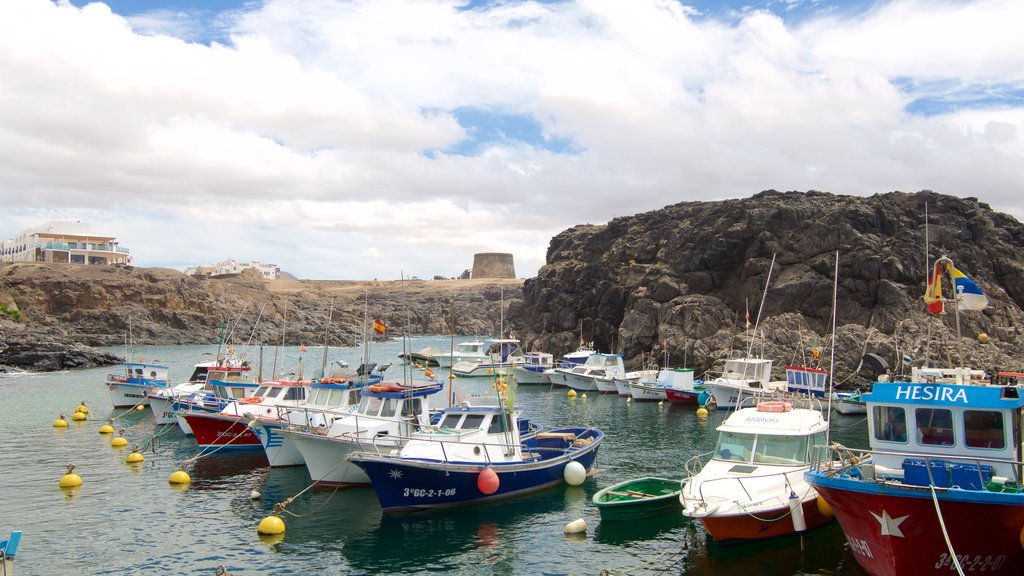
[533,369]
[501,355]
[638,498]
[476,454]
[385,417]
[939,491]
[850,402]
[681,388]
[128,388]
[582,377]
[741,379]
[229,428]
[210,387]
[753,486]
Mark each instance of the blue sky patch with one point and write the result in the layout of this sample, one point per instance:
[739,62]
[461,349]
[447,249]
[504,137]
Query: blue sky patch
[488,127]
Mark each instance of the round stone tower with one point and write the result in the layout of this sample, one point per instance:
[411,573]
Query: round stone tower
[493,265]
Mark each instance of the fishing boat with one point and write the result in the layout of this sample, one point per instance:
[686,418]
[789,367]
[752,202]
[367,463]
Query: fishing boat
[753,486]
[329,399]
[581,377]
[8,550]
[471,350]
[128,387]
[501,355]
[211,386]
[386,416]
[533,369]
[743,378]
[476,454]
[809,381]
[939,490]
[849,402]
[229,428]
[648,391]
[638,498]
[620,384]
[681,386]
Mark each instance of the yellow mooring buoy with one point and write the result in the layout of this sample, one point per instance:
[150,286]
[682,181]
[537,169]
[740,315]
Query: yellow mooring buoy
[70,479]
[61,422]
[179,478]
[702,412]
[135,457]
[107,428]
[79,416]
[271,526]
[119,441]
[571,393]
[81,408]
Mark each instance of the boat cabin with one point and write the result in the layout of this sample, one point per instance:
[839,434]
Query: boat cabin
[470,434]
[538,361]
[805,380]
[945,426]
[142,374]
[387,409]
[772,433]
[756,372]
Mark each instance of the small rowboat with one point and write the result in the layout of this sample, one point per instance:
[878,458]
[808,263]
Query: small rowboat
[639,498]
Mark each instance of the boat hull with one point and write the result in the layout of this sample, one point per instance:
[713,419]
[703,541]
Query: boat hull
[895,530]
[646,393]
[682,396]
[279,448]
[577,382]
[762,524]
[222,432]
[408,484]
[126,395]
[525,375]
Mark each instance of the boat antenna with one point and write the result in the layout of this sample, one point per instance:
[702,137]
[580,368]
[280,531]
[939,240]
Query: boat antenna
[366,338]
[927,271]
[760,308]
[327,326]
[451,375]
[832,357]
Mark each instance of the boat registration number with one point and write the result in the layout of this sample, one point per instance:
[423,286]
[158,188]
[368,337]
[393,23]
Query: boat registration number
[970,563]
[427,492]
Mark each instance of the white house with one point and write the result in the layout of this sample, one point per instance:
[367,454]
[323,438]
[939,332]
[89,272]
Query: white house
[70,242]
[268,271]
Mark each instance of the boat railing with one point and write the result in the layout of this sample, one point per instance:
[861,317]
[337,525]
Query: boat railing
[787,485]
[838,460]
[583,438]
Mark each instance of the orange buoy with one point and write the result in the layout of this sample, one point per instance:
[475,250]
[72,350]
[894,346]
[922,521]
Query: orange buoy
[488,481]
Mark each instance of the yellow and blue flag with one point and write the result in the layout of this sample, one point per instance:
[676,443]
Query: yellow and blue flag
[967,292]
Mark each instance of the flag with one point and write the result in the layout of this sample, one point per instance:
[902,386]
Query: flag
[967,292]
[907,360]
[933,293]
[302,347]
[428,372]
[379,327]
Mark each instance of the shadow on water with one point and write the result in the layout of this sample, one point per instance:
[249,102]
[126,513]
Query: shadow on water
[630,531]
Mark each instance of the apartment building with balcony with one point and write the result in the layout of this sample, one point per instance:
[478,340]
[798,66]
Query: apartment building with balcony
[227,267]
[67,242]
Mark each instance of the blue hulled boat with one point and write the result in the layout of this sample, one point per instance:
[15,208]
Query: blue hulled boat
[476,454]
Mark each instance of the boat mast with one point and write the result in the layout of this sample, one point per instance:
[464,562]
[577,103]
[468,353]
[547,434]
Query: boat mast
[327,326]
[366,337]
[832,358]
[451,375]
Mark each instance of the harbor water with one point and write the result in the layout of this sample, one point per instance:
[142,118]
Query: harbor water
[129,520]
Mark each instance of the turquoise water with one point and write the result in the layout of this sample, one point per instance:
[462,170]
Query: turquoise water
[128,520]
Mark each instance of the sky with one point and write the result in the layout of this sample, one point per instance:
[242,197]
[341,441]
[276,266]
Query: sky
[359,139]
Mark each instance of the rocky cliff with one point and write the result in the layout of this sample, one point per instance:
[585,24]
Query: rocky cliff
[680,280]
[53,308]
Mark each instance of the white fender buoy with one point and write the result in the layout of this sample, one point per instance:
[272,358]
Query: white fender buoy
[796,505]
[574,473]
[575,527]
[255,495]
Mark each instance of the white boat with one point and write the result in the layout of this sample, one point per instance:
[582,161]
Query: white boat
[743,378]
[329,399]
[464,351]
[806,380]
[849,402]
[502,354]
[623,382]
[581,378]
[128,387]
[386,416]
[224,379]
[753,487]
[229,428]
[533,369]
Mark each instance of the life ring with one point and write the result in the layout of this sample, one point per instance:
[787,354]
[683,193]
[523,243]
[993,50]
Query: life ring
[774,406]
[251,400]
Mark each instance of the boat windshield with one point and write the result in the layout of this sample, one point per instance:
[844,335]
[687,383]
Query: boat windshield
[763,448]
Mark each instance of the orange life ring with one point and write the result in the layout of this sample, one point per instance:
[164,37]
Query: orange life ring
[774,406]
[251,400]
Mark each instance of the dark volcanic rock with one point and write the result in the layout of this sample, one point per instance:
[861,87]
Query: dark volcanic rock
[24,350]
[678,280]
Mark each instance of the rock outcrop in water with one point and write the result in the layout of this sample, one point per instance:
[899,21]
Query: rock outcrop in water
[678,282]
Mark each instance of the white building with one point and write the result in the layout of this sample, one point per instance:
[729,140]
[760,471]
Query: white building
[268,271]
[69,242]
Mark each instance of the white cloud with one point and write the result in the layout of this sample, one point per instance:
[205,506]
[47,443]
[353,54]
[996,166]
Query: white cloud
[315,139]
